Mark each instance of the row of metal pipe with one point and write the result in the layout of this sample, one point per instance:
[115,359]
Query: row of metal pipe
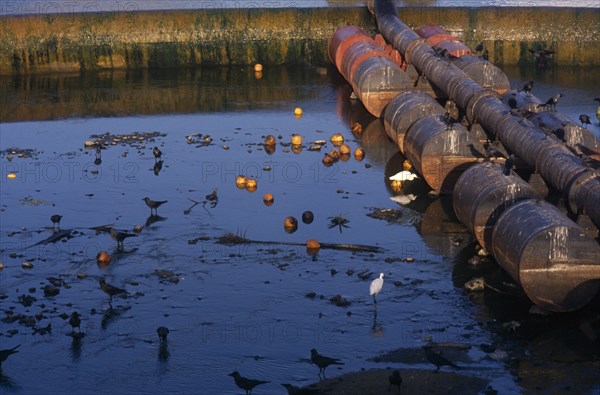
[552,258]
[559,167]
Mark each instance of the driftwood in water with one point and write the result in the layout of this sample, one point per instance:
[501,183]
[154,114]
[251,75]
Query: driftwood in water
[232,239]
[56,236]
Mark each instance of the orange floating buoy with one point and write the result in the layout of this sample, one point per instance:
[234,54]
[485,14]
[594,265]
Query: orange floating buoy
[103,257]
[240,182]
[268,199]
[337,139]
[270,140]
[359,154]
[251,185]
[290,224]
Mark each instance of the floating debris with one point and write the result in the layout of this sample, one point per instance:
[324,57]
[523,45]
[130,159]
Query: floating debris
[340,221]
[475,285]
[339,301]
[30,201]
[135,139]
[103,257]
[22,153]
[337,139]
[51,290]
[199,139]
[233,239]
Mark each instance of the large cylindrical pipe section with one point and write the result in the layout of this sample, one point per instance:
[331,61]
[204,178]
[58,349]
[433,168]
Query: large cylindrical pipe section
[550,256]
[404,110]
[373,74]
[441,153]
[489,111]
[483,193]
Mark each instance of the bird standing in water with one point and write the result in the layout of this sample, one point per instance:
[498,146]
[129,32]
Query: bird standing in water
[436,358]
[245,383]
[4,354]
[162,332]
[376,286]
[153,204]
[110,290]
[75,321]
[213,198]
[323,361]
[56,220]
[119,236]
[157,153]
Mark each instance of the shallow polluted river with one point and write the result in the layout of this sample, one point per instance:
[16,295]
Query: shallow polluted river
[237,290]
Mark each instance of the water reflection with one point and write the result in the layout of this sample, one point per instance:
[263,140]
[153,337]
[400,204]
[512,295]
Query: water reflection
[157,167]
[131,92]
[76,347]
[163,352]
[154,218]
[377,329]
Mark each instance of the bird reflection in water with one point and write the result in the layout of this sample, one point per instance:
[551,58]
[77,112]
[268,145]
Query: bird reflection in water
[163,351]
[6,382]
[154,218]
[157,167]
[112,314]
[376,329]
[76,346]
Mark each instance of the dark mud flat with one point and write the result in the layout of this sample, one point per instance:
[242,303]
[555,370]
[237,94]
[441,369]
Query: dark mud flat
[244,307]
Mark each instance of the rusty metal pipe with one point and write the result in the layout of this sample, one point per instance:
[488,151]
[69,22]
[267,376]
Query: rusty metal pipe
[550,256]
[488,110]
[404,110]
[373,74]
[482,193]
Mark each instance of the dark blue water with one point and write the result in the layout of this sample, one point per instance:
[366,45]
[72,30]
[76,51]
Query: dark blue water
[238,307]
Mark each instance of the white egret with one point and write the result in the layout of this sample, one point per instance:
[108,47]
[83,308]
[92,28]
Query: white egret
[404,175]
[376,286]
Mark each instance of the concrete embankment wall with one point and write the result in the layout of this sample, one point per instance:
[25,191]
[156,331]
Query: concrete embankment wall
[95,41]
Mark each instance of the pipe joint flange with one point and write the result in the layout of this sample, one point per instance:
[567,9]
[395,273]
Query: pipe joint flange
[471,116]
[410,47]
[575,201]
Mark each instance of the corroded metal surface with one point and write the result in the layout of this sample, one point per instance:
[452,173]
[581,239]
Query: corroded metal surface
[375,77]
[404,110]
[552,258]
[441,153]
[483,193]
